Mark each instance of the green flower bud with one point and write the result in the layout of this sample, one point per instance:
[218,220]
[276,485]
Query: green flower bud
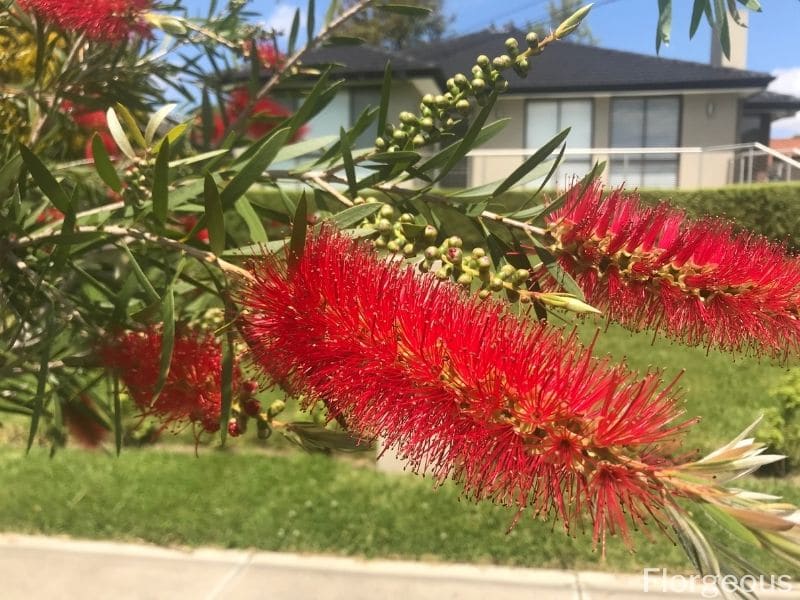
[372,200]
[380,243]
[522,275]
[443,274]
[478,85]
[426,113]
[399,135]
[496,284]
[455,242]
[424,266]
[380,143]
[465,279]
[478,252]
[431,253]
[408,250]
[408,118]
[461,81]
[428,100]
[442,102]
[276,408]
[384,226]
[463,106]
[430,233]
[419,140]
[532,39]
[512,45]
[426,124]
[506,272]
[484,294]
[483,62]
[484,263]
[502,62]
[387,212]
[455,255]
[393,246]
[521,66]
[406,218]
[477,72]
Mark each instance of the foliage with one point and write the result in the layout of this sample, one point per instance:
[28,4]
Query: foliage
[155,272]
[393,29]
[781,428]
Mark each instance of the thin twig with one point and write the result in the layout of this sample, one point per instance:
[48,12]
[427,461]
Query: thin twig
[114,231]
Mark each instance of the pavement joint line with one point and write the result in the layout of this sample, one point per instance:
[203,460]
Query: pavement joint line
[230,576]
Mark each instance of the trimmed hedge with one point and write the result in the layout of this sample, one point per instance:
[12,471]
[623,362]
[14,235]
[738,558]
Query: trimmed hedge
[772,209]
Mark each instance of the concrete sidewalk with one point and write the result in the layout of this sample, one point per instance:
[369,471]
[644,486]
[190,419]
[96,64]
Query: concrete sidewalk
[33,568]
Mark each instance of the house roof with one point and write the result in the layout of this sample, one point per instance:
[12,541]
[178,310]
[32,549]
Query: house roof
[563,67]
[772,100]
[567,67]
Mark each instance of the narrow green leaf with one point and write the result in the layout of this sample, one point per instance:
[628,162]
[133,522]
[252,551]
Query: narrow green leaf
[103,165]
[722,27]
[393,157]
[61,253]
[167,338]
[155,122]
[294,32]
[215,220]
[562,278]
[197,158]
[117,414]
[150,291]
[299,227]
[353,215]
[173,135]
[45,180]
[697,15]
[333,8]
[404,9]
[115,128]
[441,157]
[664,27]
[344,40]
[539,156]
[386,94]
[349,167]
[486,191]
[133,127]
[310,16]
[227,386]
[254,225]
[161,184]
[255,167]
[41,380]
[292,151]
[9,172]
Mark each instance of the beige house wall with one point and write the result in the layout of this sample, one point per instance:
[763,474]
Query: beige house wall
[707,120]
[491,168]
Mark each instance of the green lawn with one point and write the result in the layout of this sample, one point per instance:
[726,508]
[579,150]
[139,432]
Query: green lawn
[291,502]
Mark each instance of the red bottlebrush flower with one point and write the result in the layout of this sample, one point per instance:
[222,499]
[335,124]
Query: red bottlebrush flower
[513,409]
[192,392]
[111,21]
[268,53]
[91,122]
[699,281]
[83,423]
[49,214]
[266,115]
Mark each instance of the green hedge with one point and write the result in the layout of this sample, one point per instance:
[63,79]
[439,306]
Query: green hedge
[770,209]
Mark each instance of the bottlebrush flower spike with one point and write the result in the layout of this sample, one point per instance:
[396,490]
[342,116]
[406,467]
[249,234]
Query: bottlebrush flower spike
[111,21]
[192,392]
[514,410]
[698,281]
[266,115]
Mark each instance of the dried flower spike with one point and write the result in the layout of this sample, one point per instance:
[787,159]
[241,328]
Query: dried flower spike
[111,21]
[698,281]
[512,409]
[192,391]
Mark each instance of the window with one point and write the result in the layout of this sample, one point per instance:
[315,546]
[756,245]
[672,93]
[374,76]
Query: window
[645,123]
[545,118]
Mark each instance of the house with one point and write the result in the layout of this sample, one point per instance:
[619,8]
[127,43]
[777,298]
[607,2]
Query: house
[659,123]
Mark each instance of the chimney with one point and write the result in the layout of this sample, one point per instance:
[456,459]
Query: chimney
[738,35]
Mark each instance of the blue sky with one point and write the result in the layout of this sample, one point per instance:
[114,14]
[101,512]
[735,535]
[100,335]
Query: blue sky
[624,25]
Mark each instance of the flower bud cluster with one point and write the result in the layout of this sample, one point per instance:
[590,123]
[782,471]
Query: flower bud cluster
[399,233]
[439,113]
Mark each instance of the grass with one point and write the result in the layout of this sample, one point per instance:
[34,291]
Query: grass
[290,502]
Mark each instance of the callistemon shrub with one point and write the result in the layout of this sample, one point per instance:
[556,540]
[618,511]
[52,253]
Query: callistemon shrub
[190,393]
[111,21]
[698,281]
[513,409]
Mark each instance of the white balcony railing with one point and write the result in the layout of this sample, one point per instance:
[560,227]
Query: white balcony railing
[667,167]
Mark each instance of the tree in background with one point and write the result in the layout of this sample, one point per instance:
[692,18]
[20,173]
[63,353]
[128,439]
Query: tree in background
[396,31]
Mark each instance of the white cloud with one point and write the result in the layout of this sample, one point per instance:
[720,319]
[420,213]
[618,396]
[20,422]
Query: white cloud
[787,81]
